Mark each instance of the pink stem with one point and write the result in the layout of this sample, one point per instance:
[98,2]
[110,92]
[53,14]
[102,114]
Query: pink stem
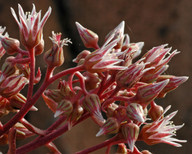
[21,60]
[32,128]
[82,82]
[48,138]
[12,141]
[32,73]
[32,101]
[99,146]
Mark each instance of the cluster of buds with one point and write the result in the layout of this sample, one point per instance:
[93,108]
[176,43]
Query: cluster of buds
[108,84]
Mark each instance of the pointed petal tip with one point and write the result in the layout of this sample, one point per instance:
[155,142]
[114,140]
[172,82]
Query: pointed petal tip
[100,132]
[57,113]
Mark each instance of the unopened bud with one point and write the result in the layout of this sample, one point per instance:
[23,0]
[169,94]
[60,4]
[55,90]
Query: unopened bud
[146,152]
[52,105]
[22,132]
[149,92]
[130,133]
[75,115]
[7,68]
[89,38]
[39,48]
[135,112]
[117,33]
[24,69]
[12,85]
[121,149]
[111,126]
[127,78]
[155,111]
[54,57]
[93,105]
[91,80]
[54,94]
[18,100]
[110,109]
[65,89]
[11,45]
[81,56]
[174,82]
[65,107]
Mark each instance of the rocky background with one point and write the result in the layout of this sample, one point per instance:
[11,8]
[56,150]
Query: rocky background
[154,22]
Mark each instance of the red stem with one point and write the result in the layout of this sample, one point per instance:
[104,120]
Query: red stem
[48,138]
[32,73]
[32,101]
[99,146]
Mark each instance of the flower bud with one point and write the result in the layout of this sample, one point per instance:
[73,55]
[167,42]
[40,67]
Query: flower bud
[54,94]
[54,57]
[89,38]
[117,33]
[11,45]
[12,85]
[4,106]
[75,115]
[121,149]
[81,56]
[93,105]
[174,82]
[65,107]
[111,126]
[153,74]
[146,152]
[91,80]
[149,92]
[130,133]
[65,89]
[110,109]
[135,112]
[155,111]
[7,69]
[18,100]
[127,78]
[39,48]
[21,131]
[4,139]
[24,69]
[52,105]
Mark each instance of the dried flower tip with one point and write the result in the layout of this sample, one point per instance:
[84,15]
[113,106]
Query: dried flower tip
[89,38]
[56,39]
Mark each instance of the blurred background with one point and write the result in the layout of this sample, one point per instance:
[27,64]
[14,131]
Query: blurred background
[153,22]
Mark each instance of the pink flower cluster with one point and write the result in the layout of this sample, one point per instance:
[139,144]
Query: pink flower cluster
[112,84]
